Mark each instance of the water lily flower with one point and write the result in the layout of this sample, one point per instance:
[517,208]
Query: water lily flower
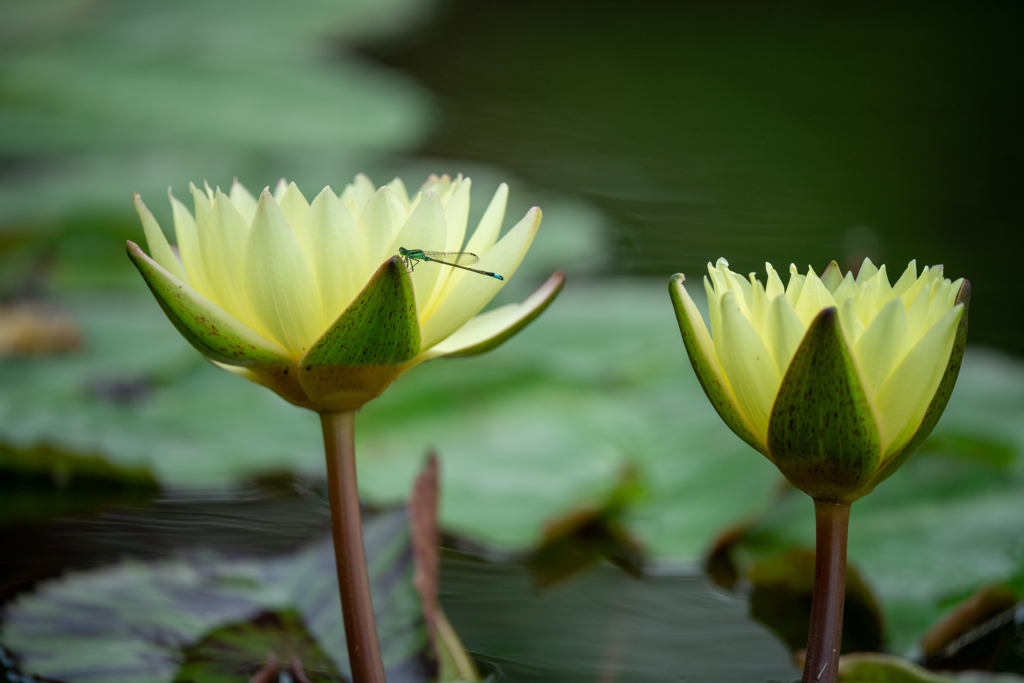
[312,300]
[834,379]
[309,298]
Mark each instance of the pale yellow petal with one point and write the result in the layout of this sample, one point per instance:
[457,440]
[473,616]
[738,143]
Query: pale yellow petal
[425,230]
[783,332]
[917,313]
[397,187]
[714,310]
[906,280]
[379,224]
[832,277]
[282,292]
[814,298]
[489,227]
[942,292]
[954,291]
[335,254]
[206,217]
[456,214]
[882,346]
[878,290]
[796,284]
[159,247]
[846,289]
[774,287]
[851,323]
[749,366]
[866,272]
[223,253]
[188,245]
[873,295]
[704,360]
[460,303]
[905,396]
[759,305]
[490,329]
[243,201]
[294,207]
[414,202]
[741,287]
[483,238]
[718,278]
[280,189]
[912,293]
[439,184]
[357,194]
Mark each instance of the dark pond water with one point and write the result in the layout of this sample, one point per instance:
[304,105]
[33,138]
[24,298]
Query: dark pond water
[786,132]
[600,625]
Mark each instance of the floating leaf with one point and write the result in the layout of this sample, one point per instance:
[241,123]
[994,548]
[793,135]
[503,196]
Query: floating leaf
[780,598]
[590,533]
[234,652]
[131,621]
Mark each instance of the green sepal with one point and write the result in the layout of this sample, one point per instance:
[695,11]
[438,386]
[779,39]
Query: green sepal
[367,346]
[822,432]
[533,306]
[939,401]
[708,373]
[216,335]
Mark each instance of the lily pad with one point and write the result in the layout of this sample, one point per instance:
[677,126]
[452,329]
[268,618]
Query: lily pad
[132,621]
[234,652]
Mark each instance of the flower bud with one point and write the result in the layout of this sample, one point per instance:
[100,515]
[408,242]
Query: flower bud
[834,379]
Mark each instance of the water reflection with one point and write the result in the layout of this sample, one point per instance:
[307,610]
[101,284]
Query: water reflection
[756,131]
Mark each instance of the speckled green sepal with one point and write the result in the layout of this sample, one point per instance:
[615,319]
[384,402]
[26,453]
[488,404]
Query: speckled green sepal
[705,365]
[822,433]
[216,335]
[367,346]
[939,401]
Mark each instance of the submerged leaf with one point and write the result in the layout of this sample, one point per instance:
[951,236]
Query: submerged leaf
[131,621]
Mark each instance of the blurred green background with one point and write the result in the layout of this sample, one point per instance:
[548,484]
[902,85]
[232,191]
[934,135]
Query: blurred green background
[655,136]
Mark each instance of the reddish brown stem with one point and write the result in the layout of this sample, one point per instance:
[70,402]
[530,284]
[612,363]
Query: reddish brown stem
[349,553]
[832,521]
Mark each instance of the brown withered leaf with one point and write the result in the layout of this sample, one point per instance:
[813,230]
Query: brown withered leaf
[28,329]
[454,663]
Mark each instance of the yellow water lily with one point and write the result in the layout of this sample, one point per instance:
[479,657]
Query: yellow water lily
[836,379]
[310,299]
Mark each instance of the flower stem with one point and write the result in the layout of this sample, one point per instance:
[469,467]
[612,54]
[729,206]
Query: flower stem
[832,521]
[346,526]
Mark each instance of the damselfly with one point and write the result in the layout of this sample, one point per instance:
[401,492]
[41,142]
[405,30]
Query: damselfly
[455,259]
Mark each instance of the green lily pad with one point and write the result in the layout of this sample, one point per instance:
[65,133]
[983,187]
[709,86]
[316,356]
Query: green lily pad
[233,653]
[132,621]
[121,75]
